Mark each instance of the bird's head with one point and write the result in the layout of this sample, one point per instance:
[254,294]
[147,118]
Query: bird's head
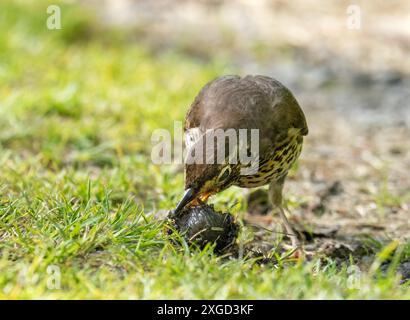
[203,181]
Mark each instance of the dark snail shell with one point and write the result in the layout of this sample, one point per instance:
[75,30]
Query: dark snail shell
[202,224]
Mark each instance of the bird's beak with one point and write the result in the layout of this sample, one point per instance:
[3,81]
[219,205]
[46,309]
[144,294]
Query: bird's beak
[189,195]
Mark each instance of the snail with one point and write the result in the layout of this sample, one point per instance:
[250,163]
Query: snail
[201,224]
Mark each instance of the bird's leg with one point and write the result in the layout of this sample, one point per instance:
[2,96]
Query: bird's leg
[289,229]
[275,193]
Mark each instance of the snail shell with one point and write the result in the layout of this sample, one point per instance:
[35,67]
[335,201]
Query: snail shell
[202,224]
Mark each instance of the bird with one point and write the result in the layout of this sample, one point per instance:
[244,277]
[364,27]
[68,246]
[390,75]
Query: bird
[250,102]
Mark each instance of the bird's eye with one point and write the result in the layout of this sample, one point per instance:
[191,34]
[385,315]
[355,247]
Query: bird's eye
[225,173]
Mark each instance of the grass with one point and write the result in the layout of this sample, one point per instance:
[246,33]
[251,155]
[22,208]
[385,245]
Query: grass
[77,186]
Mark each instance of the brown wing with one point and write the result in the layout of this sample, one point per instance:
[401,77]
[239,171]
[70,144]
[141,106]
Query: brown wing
[252,102]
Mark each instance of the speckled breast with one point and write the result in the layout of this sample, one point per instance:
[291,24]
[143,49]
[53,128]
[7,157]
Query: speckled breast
[274,165]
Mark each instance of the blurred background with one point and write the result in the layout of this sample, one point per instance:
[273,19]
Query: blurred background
[82,101]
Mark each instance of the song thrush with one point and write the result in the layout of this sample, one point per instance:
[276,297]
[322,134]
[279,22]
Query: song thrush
[251,102]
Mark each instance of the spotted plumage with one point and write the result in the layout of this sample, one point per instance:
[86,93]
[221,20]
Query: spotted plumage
[275,164]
